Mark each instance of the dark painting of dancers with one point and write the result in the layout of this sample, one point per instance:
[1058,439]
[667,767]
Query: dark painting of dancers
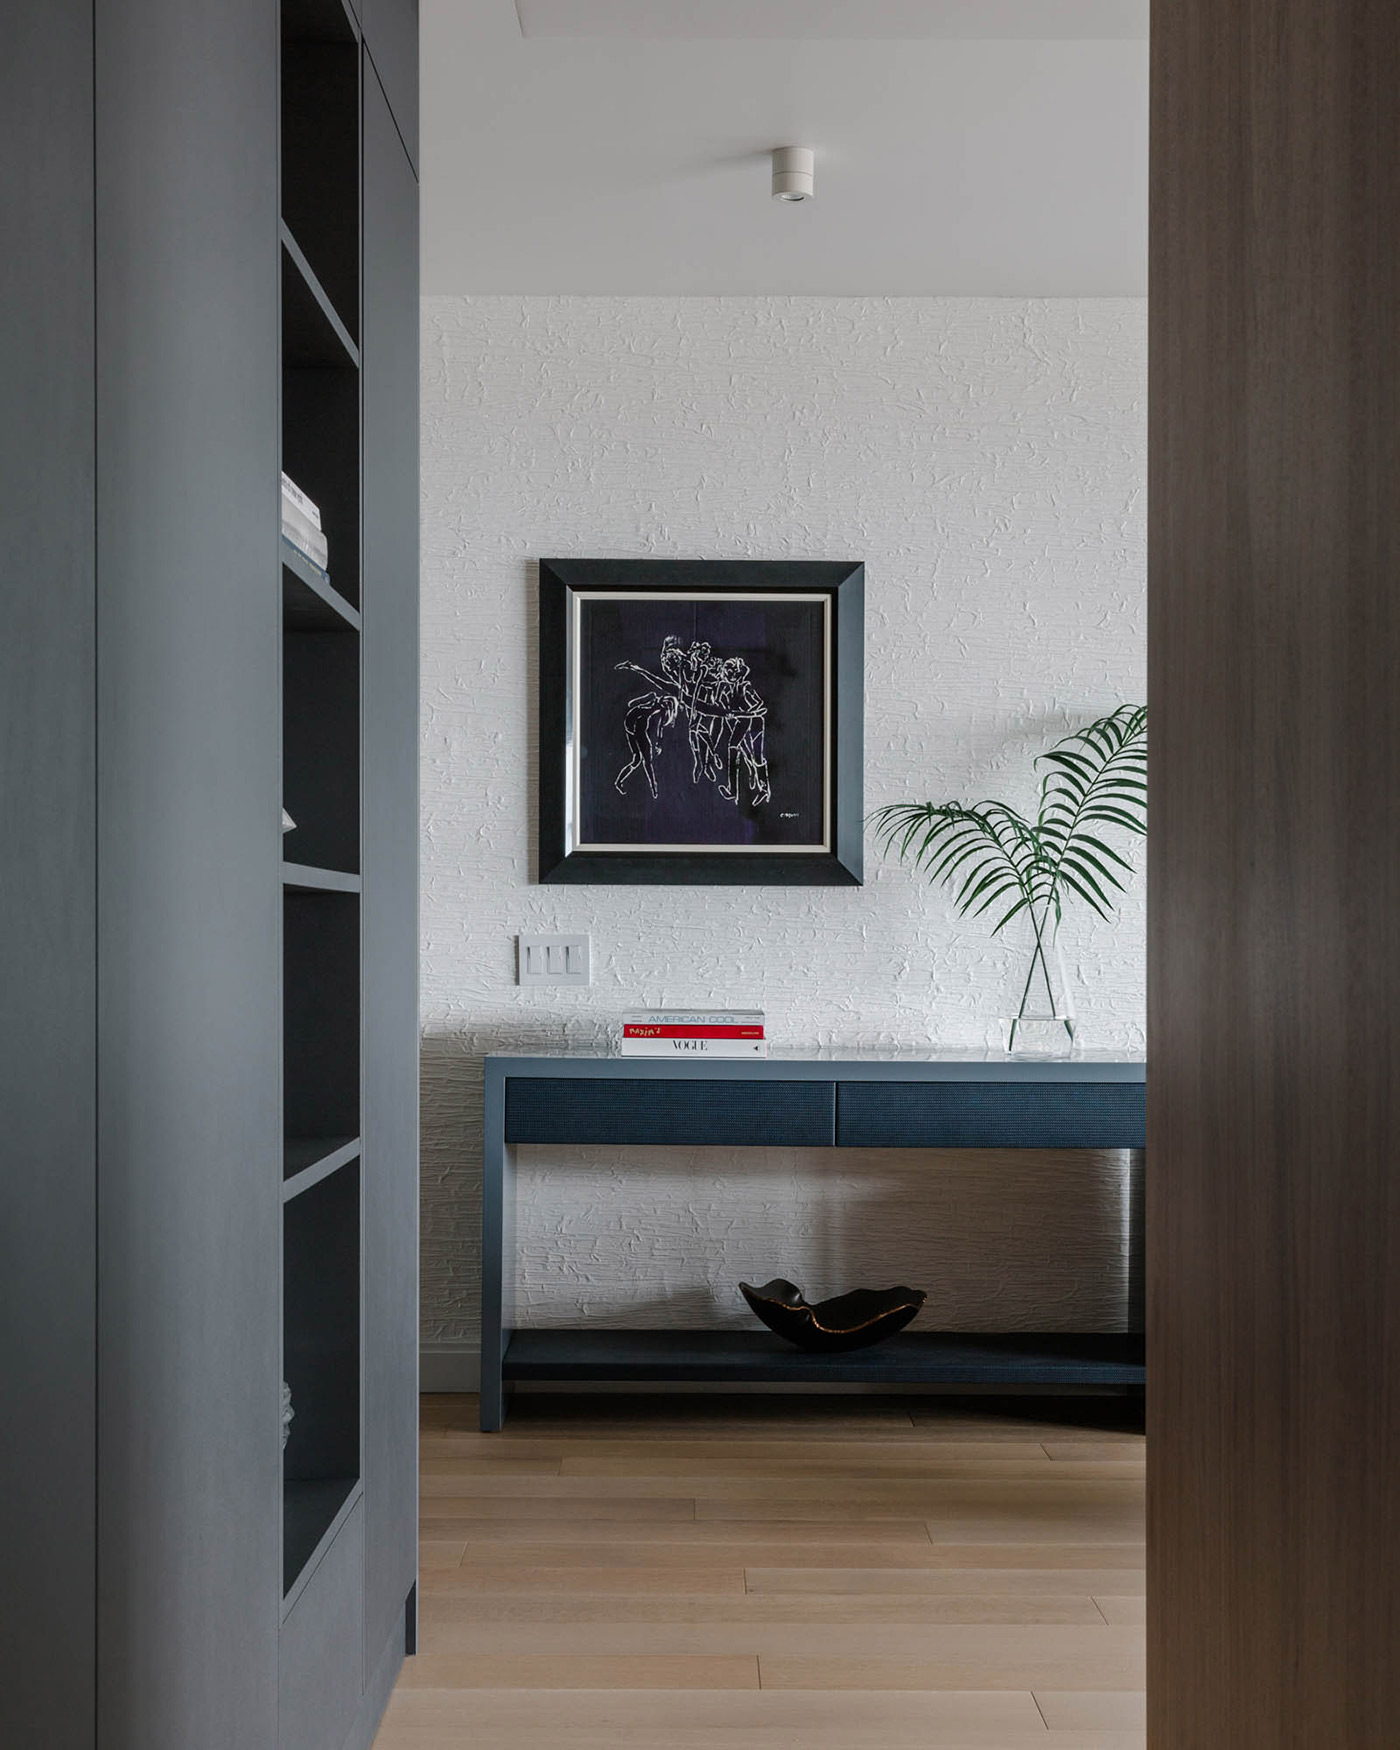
[703,721]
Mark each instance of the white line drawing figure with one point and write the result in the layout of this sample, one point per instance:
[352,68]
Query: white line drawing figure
[643,723]
[746,716]
[704,672]
[725,720]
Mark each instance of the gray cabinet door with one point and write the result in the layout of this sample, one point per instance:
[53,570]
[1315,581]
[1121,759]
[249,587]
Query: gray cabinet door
[322,1648]
[390,868]
[47,871]
[391,31]
[189,885]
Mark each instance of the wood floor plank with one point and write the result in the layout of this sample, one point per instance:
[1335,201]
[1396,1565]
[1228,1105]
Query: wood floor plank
[880,1448]
[723,1551]
[929,1421]
[882,1582]
[1116,1608]
[926,1501]
[504,1465]
[1048,1472]
[449,1477]
[1100,1674]
[1118,1451]
[584,1671]
[592,1578]
[687,1459]
[436,1553]
[685,1421]
[1093,1710]
[875,1442]
[438,1609]
[681,1737]
[755,1710]
[673,1532]
[477,1512]
[832,1449]
[986,1646]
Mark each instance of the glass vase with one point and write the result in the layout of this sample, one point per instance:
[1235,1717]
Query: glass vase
[1041,1021]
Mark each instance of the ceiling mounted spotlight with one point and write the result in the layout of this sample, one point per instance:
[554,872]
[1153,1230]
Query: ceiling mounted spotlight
[793,171]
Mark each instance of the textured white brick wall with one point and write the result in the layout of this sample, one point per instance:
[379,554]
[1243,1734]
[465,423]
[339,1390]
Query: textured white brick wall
[986,459]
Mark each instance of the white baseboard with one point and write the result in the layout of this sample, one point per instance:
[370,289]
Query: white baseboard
[449,1367]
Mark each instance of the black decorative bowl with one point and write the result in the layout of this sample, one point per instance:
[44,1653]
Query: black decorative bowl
[850,1321]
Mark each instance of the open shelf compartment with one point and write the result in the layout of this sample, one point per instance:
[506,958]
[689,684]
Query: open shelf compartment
[321,148]
[321,454]
[321,1020]
[319,21]
[321,1362]
[321,750]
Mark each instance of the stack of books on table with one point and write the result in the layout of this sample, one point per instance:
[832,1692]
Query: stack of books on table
[301,524]
[694,1033]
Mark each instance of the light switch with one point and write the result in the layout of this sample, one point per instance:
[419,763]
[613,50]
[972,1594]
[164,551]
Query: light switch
[553,960]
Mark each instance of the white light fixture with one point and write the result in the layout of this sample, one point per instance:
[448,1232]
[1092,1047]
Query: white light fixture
[794,168]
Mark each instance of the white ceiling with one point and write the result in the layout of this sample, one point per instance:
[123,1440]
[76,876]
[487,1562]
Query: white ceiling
[632,155]
[851,19]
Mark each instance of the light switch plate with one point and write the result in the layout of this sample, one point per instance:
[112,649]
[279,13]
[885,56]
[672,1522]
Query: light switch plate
[553,960]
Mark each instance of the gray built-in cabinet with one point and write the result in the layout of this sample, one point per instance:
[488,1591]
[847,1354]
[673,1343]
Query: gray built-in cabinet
[209,1057]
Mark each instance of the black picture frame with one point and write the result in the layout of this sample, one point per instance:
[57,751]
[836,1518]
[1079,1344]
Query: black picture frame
[566,586]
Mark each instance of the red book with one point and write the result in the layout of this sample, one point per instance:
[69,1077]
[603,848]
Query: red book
[643,1030]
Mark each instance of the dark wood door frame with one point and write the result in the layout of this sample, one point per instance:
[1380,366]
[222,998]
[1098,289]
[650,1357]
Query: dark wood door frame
[1274,999]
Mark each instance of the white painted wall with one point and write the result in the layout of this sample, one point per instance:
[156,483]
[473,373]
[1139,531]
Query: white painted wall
[986,459]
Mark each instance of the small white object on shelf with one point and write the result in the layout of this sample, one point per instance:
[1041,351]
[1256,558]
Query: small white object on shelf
[293,495]
[288,824]
[306,540]
[301,524]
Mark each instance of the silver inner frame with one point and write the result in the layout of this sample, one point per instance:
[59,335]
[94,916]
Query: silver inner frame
[573,731]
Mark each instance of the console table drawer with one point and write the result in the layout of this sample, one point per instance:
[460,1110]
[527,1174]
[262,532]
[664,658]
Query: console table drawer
[991,1115]
[575,1109]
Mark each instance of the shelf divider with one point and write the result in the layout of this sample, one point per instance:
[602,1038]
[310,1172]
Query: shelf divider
[312,880]
[310,602]
[306,1160]
[307,275]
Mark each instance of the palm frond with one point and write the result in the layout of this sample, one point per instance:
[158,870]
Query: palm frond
[989,853]
[1096,777]
[985,854]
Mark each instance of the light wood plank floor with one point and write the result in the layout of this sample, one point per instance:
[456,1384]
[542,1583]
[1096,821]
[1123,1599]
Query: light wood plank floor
[789,1573]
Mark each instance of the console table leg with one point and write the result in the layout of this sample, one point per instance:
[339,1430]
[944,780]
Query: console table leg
[495,1399]
[497,1252]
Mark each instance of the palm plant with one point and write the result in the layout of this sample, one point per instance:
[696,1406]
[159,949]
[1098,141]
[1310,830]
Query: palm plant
[996,860]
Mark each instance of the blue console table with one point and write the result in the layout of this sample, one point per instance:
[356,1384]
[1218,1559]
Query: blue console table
[840,1102]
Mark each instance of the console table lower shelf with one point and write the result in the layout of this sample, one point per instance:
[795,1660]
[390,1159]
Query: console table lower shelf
[758,1358]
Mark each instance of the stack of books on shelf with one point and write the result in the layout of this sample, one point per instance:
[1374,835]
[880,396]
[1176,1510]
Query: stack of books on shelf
[301,524]
[694,1033]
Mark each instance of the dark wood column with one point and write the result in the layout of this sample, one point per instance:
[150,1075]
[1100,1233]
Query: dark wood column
[1274,1093]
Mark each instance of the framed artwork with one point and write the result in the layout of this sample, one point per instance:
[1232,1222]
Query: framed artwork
[701,722]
